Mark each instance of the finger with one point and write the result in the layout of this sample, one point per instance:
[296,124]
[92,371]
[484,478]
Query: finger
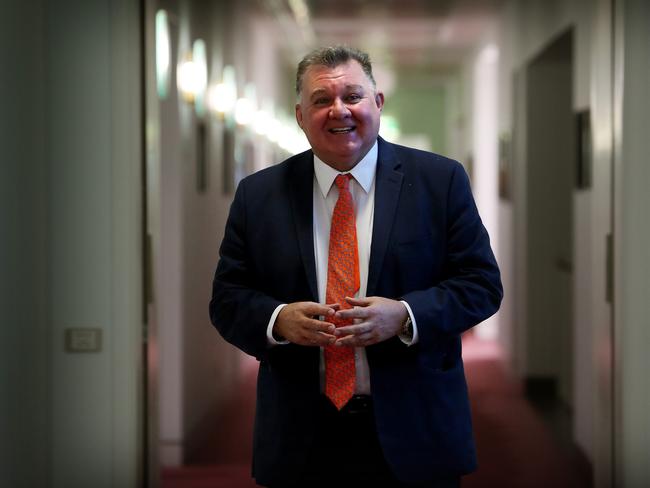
[317,339]
[352,330]
[316,325]
[312,308]
[353,313]
[365,339]
[358,302]
[335,306]
[346,341]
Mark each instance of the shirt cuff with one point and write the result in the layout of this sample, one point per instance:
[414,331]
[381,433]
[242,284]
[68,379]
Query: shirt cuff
[409,341]
[269,328]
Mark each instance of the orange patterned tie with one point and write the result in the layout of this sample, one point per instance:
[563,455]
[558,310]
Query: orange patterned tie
[342,281]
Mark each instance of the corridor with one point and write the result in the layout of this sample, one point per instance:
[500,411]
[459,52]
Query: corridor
[125,130]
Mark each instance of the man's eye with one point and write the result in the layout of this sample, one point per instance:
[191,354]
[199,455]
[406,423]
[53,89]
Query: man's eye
[353,98]
[321,101]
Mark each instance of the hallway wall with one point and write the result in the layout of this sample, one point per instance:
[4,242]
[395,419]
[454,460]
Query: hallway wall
[471,118]
[199,371]
[528,27]
[195,368]
[25,358]
[71,173]
[632,244]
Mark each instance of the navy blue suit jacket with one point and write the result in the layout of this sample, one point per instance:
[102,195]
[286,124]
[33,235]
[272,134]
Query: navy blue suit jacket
[429,248]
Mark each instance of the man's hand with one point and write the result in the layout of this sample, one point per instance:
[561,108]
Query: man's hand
[376,319]
[298,323]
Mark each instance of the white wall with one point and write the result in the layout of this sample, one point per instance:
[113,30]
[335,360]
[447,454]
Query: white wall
[166,227]
[485,101]
[70,115]
[632,244]
[472,99]
[93,149]
[601,103]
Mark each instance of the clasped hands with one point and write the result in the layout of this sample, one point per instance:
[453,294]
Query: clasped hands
[375,319]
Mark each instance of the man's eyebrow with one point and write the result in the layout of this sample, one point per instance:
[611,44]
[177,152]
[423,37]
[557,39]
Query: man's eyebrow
[321,91]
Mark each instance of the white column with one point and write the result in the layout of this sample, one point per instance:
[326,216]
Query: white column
[486,157]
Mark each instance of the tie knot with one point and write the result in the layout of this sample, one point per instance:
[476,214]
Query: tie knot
[342,181]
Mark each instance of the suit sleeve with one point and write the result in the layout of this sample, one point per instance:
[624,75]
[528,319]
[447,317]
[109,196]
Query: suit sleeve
[470,290]
[237,309]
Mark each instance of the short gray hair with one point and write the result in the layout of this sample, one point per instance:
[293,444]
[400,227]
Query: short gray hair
[332,57]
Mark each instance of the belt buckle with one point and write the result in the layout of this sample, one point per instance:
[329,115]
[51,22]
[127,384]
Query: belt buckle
[357,404]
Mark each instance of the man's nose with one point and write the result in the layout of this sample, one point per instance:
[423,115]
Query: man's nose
[339,109]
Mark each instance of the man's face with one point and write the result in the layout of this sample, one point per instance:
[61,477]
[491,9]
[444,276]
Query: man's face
[339,112]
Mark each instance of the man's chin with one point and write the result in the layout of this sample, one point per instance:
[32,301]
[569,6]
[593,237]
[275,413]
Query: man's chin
[340,162]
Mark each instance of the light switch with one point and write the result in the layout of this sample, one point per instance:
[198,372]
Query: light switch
[83,339]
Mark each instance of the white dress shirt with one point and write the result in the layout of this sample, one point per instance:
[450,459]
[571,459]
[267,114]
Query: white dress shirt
[325,195]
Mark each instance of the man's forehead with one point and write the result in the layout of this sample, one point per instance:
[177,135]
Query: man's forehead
[349,68]
[321,75]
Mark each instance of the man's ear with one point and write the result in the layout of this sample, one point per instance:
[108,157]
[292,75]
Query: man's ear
[298,115]
[379,100]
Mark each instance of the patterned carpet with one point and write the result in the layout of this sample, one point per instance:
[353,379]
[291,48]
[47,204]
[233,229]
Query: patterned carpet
[516,449]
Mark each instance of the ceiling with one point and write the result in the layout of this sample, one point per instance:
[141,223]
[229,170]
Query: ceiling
[426,36]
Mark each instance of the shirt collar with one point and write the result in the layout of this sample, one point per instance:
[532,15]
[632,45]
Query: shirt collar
[363,172]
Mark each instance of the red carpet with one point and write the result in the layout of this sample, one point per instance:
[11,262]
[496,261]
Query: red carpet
[515,447]
[217,476]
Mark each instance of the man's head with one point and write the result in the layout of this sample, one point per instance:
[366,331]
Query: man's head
[338,104]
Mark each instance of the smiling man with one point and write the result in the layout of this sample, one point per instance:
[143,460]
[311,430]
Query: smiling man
[350,272]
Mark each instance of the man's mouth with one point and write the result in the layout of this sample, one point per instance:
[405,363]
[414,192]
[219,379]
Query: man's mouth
[341,130]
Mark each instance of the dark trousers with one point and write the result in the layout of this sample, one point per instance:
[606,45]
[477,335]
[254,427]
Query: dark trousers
[347,452]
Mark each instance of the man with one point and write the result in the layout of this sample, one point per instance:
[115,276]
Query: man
[350,272]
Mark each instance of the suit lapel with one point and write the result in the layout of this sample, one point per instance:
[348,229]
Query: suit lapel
[387,189]
[302,203]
